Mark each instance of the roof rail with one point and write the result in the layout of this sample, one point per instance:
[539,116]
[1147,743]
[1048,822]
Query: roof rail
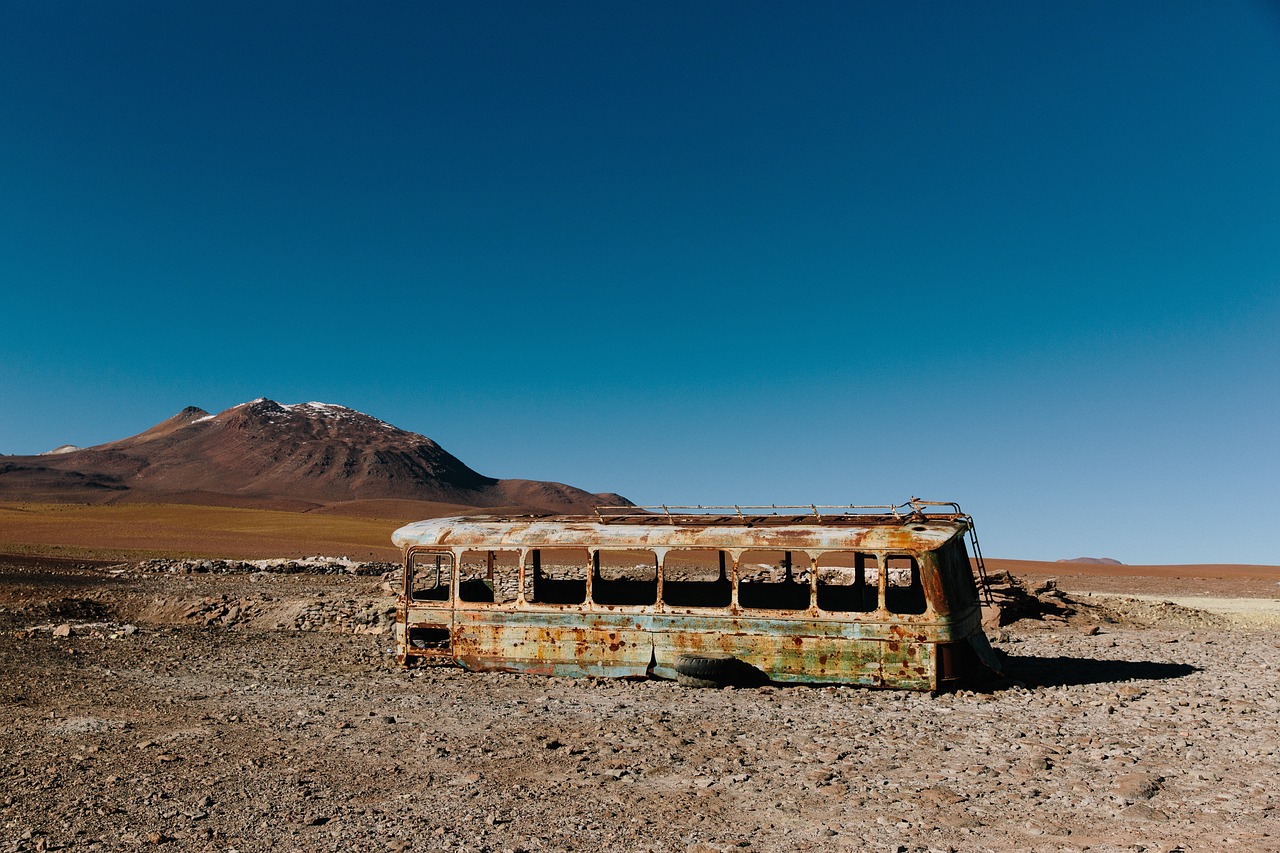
[914,507]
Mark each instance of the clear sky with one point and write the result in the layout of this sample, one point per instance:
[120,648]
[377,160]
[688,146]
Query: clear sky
[1023,256]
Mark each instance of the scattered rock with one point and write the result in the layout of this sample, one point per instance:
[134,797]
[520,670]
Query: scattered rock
[227,733]
[1142,811]
[304,565]
[1137,786]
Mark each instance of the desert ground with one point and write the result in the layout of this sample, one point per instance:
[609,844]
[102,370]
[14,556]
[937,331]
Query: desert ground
[150,703]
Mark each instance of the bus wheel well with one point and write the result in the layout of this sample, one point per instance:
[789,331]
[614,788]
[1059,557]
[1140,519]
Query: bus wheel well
[716,669]
[710,665]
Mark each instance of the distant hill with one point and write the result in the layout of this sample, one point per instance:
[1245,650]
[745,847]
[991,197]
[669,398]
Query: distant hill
[262,453]
[1101,561]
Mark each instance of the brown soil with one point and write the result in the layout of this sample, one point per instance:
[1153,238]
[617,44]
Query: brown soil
[240,529]
[1219,579]
[138,530]
[181,712]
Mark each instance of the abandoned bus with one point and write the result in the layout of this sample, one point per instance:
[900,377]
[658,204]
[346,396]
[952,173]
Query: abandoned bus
[877,596]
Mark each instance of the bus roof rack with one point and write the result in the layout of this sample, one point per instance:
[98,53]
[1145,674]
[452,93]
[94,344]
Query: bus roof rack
[913,509]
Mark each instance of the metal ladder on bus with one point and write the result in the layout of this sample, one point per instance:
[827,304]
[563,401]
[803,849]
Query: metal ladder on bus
[988,599]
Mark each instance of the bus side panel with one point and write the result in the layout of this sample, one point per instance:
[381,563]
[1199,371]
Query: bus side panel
[911,666]
[780,649]
[825,659]
[423,634]
[573,643]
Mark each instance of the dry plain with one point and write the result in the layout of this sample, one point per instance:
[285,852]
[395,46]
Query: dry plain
[147,707]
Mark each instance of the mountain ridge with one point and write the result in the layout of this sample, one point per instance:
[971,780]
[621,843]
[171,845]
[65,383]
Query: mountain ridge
[262,450]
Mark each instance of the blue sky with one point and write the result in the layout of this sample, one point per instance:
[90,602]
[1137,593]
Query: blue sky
[1021,256]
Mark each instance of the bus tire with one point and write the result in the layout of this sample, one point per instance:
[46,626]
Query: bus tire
[711,666]
[693,681]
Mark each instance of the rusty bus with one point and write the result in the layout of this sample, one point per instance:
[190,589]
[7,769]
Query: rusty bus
[880,596]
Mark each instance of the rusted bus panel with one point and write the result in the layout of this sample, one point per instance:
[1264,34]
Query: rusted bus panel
[844,652]
[911,666]
[778,657]
[872,625]
[426,640]
[551,643]
[784,646]
[621,646]
[886,627]
[637,644]
[935,587]
[780,649]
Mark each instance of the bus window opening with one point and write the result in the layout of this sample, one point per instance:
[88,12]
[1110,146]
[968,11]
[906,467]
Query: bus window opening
[559,575]
[774,580]
[696,579]
[432,577]
[848,582]
[904,593]
[625,577]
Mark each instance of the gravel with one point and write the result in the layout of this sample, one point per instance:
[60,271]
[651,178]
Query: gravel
[1136,728]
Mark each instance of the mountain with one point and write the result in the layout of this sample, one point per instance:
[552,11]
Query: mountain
[262,453]
[62,448]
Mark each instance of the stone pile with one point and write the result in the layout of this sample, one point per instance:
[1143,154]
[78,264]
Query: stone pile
[58,616]
[302,565]
[1013,601]
[316,613]
[212,611]
[346,616]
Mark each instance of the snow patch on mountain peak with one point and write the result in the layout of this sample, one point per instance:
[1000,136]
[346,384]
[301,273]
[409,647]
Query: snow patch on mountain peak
[316,406]
[315,409]
[60,449]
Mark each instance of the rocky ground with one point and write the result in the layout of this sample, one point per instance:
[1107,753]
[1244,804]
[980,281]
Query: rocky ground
[252,709]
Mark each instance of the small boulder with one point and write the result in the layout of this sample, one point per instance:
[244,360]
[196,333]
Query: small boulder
[1137,786]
